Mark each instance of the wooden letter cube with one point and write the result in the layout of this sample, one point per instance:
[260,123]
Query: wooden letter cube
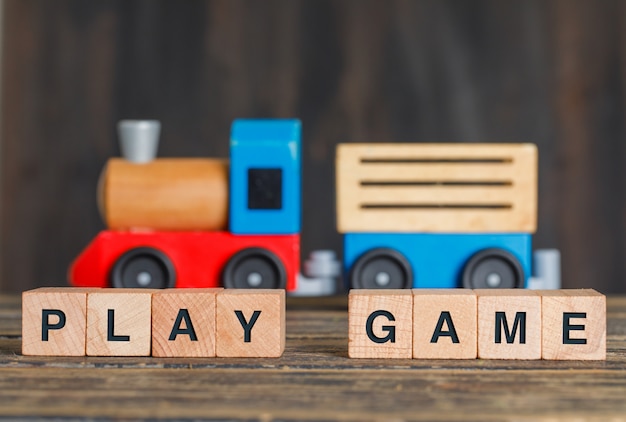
[444,324]
[380,324]
[183,323]
[250,323]
[509,324]
[574,325]
[119,322]
[54,321]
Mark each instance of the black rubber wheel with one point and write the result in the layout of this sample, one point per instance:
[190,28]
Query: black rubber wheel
[254,268]
[493,269]
[381,268]
[143,268]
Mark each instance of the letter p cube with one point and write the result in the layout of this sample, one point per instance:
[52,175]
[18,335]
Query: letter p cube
[53,322]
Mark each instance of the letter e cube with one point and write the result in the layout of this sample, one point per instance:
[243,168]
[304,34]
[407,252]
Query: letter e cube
[574,325]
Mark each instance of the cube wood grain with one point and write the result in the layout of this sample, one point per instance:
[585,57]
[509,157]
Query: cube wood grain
[119,322]
[183,322]
[509,324]
[380,324]
[444,324]
[250,323]
[574,325]
[54,321]
[436,188]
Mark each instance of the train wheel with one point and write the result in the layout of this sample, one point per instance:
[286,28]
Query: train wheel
[381,268]
[144,268]
[493,269]
[255,268]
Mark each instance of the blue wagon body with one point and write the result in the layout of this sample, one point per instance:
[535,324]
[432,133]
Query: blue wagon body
[437,260]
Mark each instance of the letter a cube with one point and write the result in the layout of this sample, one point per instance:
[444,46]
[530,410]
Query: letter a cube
[183,322]
[380,324]
[444,324]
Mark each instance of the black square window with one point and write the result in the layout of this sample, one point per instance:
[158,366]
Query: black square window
[265,189]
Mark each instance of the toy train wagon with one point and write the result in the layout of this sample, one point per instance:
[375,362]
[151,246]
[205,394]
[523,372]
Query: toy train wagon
[167,218]
[440,216]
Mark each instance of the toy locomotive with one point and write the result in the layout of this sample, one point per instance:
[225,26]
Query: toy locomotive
[167,219]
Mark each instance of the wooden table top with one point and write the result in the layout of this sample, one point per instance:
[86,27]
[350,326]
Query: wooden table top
[314,380]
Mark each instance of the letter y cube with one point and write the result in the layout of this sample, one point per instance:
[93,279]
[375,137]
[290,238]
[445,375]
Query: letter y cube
[250,323]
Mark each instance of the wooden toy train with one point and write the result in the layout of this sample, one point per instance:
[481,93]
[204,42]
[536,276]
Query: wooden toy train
[166,218]
[413,215]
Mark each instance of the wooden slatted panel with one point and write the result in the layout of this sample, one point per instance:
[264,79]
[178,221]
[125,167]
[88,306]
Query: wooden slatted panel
[436,188]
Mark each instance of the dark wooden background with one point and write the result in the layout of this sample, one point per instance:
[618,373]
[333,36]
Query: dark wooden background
[550,72]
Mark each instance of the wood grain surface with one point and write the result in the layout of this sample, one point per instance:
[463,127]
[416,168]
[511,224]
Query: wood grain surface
[313,380]
[550,72]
